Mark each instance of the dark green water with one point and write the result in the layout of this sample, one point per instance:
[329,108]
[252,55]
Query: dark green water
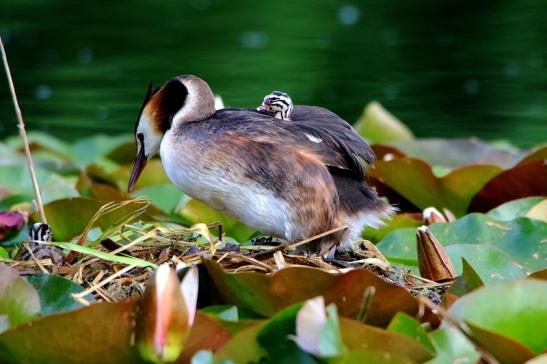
[446,68]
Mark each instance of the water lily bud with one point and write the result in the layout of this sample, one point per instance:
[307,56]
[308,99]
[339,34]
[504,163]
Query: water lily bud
[433,261]
[316,332]
[189,289]
[10,223]
[432,216]
[167,313]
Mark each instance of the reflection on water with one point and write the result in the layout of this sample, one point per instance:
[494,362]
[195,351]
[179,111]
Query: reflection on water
[446,68]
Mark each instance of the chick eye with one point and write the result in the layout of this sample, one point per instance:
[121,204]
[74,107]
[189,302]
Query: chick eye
[140,136]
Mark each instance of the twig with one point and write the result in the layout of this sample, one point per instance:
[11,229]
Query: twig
[308,240]
[366,303]
[23,134]
[27,247]
[100,284]
[302,242]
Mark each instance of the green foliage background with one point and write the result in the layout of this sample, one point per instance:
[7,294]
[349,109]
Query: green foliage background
[446,68]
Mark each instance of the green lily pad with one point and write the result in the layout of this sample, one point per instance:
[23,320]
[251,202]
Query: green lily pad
[503,348]
[19,301]
[513,209]
[41,141]
[69,217]
[414,180]
[274,338]
[56,293]
[513,309]
[152,175]
[379,125]
[452,153]
[404,220]
[408,325]
[194,211]
[491,264]
[88,150]
[467,282]
[16,179]
[520,240]
[243,346]
[452,347]
[166,196]
[263,338]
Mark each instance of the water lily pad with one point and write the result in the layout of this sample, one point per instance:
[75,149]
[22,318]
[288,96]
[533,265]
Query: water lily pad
[56,293]
[467,282]
[513,209]
[88,150]
[503,348]
[69,217]
[415,181]
[523,180]
[243,346]
[19,301]
[274,338]
[404,220]
[16,179]
[205,334]
[407,325]
[269,339]
[379,125]
[537,154]
[79,336]
[164,196]
[520,241]
[513,309]
[491,264]
[452,347]
[268,294]
[194,211]
[539,211]
[357,336]
[453,153]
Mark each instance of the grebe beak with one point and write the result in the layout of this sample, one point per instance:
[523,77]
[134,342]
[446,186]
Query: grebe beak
[138,166]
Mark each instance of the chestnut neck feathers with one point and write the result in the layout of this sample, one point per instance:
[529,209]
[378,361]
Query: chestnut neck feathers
[181,99]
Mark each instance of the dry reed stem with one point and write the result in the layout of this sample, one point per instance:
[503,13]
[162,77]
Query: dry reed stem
[23,134]
[105,281]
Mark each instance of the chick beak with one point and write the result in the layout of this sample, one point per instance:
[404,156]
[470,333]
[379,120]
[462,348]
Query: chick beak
[138,166]
[264,106]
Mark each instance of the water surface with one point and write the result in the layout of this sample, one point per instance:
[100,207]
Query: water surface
[446,68]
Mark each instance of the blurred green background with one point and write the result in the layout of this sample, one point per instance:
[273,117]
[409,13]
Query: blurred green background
[446,68]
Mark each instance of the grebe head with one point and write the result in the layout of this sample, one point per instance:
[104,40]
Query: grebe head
[278,104]
[182,99]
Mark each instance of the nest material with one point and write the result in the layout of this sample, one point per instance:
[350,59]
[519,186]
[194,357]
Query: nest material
[111,281]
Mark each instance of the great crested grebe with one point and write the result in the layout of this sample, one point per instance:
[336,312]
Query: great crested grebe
[291,179]
[278,104]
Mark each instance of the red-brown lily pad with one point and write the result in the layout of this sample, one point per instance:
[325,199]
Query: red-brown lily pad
[524,180]
[83,336]
[268,294]
[415,181]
